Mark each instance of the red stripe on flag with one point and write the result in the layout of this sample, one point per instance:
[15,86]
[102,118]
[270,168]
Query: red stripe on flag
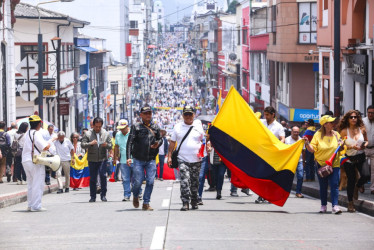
[267,189]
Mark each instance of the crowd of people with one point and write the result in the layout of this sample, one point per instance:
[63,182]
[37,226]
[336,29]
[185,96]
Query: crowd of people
[168,127]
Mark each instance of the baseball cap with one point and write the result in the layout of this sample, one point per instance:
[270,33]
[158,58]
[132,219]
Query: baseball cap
[326,118]
[145,109]
[188,109]
[34,118]
[122,124]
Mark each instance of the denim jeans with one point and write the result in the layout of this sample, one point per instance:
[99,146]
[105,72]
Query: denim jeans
[310,166]
[299,176]
[150,173]
[162,162]
[333,179]
[219,171]
[127,174]
[203,170]
[97,168]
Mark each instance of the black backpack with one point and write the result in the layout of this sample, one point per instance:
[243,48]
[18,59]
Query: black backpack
[16,148]
[4,146]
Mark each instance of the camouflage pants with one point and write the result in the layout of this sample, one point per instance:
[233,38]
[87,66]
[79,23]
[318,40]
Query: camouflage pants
[189,180]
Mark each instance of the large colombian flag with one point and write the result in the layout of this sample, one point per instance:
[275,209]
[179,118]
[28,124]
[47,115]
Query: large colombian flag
[252,152]
[80,173]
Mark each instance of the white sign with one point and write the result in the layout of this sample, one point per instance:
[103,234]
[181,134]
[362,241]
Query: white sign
[32,66]
[26,92]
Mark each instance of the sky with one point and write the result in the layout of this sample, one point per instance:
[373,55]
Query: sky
[104,16]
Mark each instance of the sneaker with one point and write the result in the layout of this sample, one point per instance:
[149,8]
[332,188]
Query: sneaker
[200,202]
[8,177]
[23,182]
[147,207]
[259,200]
[234,194]
[60,191]
[66,190]
[194,206]
[42,209]
[299,196]
[92,200]
[135,202]
[336,209]
[247,191]
[29,209]
[219,196]
[126,198]
[185,206]
[19,182]
[323,209]
[48,183]
[140,197]
[161,179]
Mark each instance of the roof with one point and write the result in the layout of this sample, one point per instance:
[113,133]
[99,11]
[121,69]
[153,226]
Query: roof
[28,11]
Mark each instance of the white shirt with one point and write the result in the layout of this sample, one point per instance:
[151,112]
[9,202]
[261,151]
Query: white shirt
[39,142]
[49,138]
[12,133]
[21,141]
[369,126]
[63,149]
[161,148]
[275,127]
[289,140]
[191,145]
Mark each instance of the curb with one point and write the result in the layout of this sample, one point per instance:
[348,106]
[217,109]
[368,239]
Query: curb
[15,198]
[363,206]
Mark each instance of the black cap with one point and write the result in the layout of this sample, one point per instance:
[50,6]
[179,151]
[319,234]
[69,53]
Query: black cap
[145,109]
[188,109]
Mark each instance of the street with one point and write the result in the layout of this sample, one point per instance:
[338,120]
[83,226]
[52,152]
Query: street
[231,223]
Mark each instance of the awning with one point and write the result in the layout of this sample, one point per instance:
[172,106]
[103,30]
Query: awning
[87,49]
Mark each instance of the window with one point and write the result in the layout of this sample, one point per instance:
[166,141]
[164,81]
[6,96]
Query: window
[133,24]
[252,62]
[25,49]
[63,57]
[308,23]
[159,10]
[325,13]
[245,81]
[159,16]
[239,36]
[70,57]
[245,37]
[326,65]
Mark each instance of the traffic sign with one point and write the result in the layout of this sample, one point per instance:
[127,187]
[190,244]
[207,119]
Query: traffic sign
[29,93]
[31,65]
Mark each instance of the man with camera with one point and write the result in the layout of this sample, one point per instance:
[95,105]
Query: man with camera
[141,151]
[97,141]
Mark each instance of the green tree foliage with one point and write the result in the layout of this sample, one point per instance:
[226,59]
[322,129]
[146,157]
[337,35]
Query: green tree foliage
[232,7]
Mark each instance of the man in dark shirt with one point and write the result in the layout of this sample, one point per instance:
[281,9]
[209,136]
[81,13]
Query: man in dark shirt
[141,150]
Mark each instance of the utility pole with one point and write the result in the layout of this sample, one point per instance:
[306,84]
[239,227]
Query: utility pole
[337,58]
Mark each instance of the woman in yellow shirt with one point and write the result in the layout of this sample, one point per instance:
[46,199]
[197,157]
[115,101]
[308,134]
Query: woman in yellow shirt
[324,143]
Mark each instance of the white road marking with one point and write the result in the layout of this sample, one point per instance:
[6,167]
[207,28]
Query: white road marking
[168,188]
[165,202]
[158,238]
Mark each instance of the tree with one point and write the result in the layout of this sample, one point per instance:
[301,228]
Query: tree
[232,7]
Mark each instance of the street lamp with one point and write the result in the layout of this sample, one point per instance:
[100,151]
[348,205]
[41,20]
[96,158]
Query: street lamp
[40,56]
[56,44]
[114,91]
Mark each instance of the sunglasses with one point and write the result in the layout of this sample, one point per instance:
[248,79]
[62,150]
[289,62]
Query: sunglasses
[353,117]
[75,137]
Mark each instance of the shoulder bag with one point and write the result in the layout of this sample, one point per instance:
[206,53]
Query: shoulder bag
[174,155]
[327,170]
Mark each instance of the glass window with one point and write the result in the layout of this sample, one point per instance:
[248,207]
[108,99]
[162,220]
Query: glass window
[33,51]
[308,23]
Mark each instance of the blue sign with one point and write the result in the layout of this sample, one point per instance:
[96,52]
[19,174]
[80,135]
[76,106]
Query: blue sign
[300,115]
[283,110]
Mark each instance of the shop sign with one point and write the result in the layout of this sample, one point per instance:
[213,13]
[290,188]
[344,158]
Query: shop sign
[301,115]
[360,68]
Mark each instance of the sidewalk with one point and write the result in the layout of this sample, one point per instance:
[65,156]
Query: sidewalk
[11,193]
[364,204]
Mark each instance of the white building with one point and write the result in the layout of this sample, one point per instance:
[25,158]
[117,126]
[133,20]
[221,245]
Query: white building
[52,25]
[7,82]
[125,24]
[158,21]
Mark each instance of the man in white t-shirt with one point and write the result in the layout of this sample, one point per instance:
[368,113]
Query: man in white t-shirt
[189,162]
[35,172]
[294,137]
[275,127]
[65,150]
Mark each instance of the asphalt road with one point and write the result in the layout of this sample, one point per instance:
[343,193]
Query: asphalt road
[231,223]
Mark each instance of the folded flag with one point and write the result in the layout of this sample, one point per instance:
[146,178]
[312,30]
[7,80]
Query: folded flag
[252,153]
[80,173]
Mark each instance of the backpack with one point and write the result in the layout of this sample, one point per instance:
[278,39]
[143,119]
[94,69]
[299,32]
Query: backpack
[4,146]
[16,149]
